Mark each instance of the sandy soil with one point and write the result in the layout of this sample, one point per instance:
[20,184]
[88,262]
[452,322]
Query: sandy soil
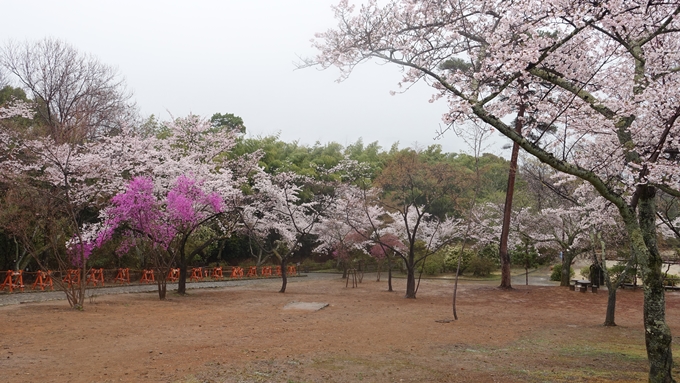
[244,334]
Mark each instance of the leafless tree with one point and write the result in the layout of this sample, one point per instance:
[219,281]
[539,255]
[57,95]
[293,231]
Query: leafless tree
[3,78]
[77,97]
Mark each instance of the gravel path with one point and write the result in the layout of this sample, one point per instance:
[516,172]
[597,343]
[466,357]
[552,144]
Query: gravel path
[535,278]
[29,295]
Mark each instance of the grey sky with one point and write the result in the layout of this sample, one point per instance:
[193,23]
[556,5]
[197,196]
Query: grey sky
[236,56]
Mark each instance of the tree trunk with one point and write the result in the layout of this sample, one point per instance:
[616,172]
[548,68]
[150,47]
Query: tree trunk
[83,284]
[162,287]
[379,264]
[455,283]
[526,275]
[507,210]
[567,257]
[182,281]
[389,274]
[611,307]
[657,333]
[410,279]
[283,275]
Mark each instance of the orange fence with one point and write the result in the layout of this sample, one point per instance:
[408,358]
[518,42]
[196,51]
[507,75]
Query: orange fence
[252,271]
[173,275]
[147,277]
[14,280]
[236,272]
[217,273]
[123,276]
[96,276]
[44,279]
[196,274]
[72,277]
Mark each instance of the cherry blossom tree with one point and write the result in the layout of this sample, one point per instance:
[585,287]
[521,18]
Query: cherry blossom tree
[83,176]
[408,231]
[337,238]
[281,217]
[566,229]
[381,252]
[601,238]
[74,178]
[605,75]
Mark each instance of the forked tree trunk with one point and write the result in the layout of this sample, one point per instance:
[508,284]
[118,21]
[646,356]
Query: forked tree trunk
[162,287]
[657,333]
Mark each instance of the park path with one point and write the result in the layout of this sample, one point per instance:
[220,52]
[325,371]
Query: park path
[29,296]
[536,278]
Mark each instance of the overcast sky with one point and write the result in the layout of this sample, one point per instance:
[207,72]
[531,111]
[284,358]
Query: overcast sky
[237,56]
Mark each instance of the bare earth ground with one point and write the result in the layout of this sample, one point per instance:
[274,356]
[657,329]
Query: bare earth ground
[244,334]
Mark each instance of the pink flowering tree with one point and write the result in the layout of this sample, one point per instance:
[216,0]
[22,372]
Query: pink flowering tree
[280,217]
[337,238]
[53,188]
[399,216]
[192,145]
[592,87]
[164,223]
[406,230]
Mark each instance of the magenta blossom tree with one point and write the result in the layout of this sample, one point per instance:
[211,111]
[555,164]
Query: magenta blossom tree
[163,224]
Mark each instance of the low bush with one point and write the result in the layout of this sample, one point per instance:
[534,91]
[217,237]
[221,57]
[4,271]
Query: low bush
[434,264]
[481,267]
[450,259]
[431,267]
[556,274]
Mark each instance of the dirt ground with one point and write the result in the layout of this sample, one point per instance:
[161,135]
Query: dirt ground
[244,334]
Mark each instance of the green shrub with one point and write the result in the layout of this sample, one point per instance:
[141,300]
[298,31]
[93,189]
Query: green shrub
[618,269]
[434,264]
[524,256]
[490,252]
[450,259]
[557,273]
[481,267]
[430,267]
[585,272]
[310,264]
